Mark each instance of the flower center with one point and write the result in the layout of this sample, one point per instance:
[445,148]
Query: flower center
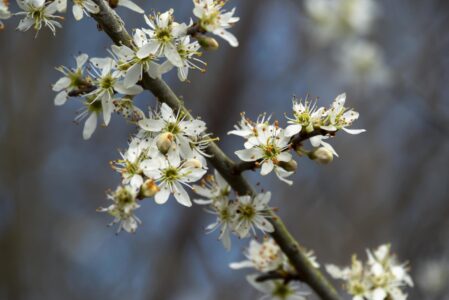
[247,211]
[163,34]
[173,128]
[107,82]
[171,174]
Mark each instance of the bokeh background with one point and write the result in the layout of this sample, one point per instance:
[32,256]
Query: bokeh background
[390,184]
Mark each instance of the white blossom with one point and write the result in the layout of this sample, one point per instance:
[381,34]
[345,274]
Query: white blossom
[130,65]
[130,164]
[212,18]
[225,210]
[264,257]
[186,137]
[213,188]
[38,13]
[268,146]
[171,174]
[107,83]
[187,51]
[163,34]
[306,116]
[277,289]
[380,278]
[339,117]
[84,7]
[122,209]
[73,79]
[252,212]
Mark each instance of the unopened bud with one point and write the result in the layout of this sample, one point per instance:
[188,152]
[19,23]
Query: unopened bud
[322,155]
[149,188]
[289,166]
[193,163]
[164,142]
[207,42]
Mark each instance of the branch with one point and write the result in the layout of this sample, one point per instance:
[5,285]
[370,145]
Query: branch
[111,23]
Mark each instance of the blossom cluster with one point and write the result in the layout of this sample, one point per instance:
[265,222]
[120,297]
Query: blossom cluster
[381,277]
[109,84]
[165,156]
[240,215]
[268,145]
[268,259]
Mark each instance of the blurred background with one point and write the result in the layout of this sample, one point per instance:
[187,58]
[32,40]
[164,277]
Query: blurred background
[390,184]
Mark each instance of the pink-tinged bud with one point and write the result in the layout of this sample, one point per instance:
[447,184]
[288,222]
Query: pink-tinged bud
[164,142]
[289,166]
[193,163]
[322,155]
[149,188]
[207,42]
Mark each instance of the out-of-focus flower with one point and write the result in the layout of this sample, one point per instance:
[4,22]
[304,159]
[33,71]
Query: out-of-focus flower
[333,19]
[277,289]
[264,257]
[361,61]
[381,277]
[4,12]
[125,203]
[213,188]
[433,276]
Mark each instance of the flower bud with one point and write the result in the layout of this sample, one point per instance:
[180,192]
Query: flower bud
[149,188]
[322,155]
[164,142]
[193,163]
[207,42]
[289,166]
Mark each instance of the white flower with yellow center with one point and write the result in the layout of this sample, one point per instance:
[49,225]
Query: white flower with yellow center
[174,132]
[123,207]
[187,51]
[171,175]
[213,19]
[339,117]
[131,66]
[163,35]
[269,148]
[73,79]
[306,116]
[129,166]
[38,13]
[252,212]
[264,257]
[107,83]
[213,188]
[84,7]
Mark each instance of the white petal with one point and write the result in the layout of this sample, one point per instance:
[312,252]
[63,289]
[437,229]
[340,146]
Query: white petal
[181,195]
[132,90]
[226,35]
[132,75]
[81,60]
[353,131]
[172,55]
[291,130]
[162,196]
[61,98]
[131,5]
[151,124]
[267,167]
[241,265]
[107,107]
[62,83]
[89,126]
[77,12]
[249,154]
[147,49]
